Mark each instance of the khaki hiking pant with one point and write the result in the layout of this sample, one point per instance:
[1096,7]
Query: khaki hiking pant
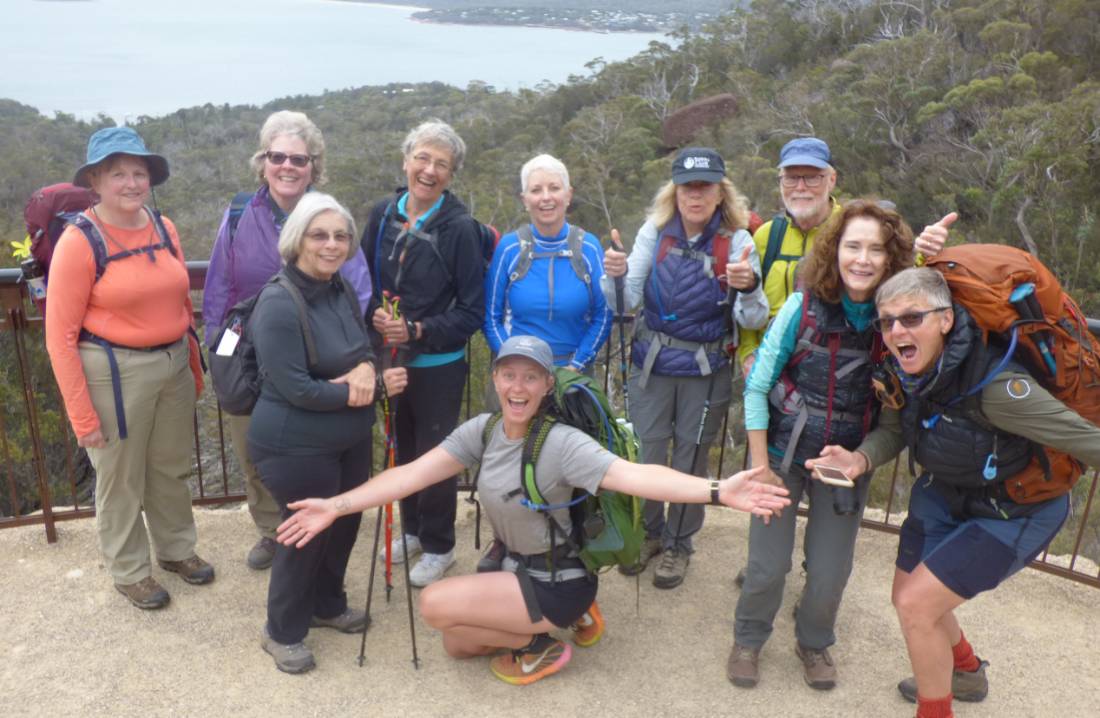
[148,469]
[261,504]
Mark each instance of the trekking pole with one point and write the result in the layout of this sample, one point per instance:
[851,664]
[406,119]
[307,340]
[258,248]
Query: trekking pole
[620,309]
[370,586]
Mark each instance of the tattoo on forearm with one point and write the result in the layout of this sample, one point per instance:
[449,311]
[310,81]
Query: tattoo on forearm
[342,504]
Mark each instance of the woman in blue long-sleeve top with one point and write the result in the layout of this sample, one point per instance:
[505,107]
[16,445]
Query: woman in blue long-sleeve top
[544,277]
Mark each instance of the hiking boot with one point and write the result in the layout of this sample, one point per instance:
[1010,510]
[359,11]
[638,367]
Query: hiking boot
[352,620]
[492,559]
[739,579]
[743,666]
[397,550]
[289,657]
[588,630]
[262,554]
[146,593]
[430,568]
[968,686]
[544,658]
[817,667]
[670,571]
[650,548]
[192,570]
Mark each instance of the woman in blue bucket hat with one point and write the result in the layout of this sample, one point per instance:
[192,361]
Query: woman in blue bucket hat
[121,341]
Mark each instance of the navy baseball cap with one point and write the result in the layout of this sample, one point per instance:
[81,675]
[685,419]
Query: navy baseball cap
[805,152]
[698,164]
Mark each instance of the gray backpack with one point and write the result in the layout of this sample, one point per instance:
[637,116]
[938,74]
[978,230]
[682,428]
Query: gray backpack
[574,250]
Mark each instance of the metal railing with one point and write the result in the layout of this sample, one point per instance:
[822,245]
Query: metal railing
[48,478]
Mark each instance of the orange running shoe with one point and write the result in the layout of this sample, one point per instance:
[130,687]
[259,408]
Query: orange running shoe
[588,630]
[544,658]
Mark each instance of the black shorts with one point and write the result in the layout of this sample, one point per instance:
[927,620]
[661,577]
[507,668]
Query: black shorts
[565,601]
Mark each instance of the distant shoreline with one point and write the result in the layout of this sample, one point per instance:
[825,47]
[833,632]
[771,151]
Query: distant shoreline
[430,15]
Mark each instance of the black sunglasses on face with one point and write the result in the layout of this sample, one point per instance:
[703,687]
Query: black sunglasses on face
[909,320]
[278,158]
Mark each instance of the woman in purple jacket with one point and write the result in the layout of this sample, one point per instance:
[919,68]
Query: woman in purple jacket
[289,162]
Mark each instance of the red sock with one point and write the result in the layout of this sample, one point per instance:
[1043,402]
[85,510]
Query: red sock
[964,657]
[934,707]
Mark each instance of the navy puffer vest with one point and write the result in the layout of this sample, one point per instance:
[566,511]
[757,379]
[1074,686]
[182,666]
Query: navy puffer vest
[685,302]
[956,448]
[824,394]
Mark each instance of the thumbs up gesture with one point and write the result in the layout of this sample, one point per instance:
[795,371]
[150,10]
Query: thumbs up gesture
[740,274]
[931,240]
[614,257]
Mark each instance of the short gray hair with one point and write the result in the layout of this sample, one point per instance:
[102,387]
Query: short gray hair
[307,209]
[295,124]
[546,163]
[922,283]
[439,133]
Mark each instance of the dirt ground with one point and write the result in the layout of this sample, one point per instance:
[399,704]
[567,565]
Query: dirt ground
[76,647]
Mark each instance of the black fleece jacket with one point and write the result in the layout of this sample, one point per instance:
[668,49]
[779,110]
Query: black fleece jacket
[437,272]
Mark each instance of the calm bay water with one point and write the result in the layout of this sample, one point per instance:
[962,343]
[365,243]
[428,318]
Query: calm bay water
[127,58]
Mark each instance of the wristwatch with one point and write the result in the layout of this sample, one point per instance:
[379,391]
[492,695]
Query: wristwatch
[714,493]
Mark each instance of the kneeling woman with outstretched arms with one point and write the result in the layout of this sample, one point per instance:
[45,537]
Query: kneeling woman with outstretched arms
[481,613]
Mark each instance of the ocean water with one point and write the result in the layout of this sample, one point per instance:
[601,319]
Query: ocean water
[126,58]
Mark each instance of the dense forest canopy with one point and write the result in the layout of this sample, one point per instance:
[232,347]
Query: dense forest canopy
[990,107]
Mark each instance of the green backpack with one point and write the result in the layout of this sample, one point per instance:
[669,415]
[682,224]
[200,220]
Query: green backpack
[607,527]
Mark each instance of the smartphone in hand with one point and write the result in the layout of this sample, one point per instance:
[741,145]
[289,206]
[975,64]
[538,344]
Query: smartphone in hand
[832,476]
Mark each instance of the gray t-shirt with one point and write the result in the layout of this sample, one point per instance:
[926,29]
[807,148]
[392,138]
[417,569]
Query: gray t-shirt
[569,459]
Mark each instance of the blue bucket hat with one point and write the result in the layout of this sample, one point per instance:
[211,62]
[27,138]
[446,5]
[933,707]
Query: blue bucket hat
[805,152]
[120,141]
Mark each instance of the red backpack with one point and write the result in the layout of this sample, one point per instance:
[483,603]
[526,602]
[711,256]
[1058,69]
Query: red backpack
[1010,293]
[42,216]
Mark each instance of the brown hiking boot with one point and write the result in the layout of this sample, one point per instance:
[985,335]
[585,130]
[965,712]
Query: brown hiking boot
[193,570]
[146,593]
[493,559]
[817,667]
[968,686]
[743,666]
[650,547]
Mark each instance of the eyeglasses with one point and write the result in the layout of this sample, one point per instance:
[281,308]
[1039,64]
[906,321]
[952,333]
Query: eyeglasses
[811,181]
[278,158]
[320,235]
[909,320]
[422,161]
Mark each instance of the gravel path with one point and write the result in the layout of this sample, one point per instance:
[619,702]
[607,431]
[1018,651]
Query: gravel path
[75,647]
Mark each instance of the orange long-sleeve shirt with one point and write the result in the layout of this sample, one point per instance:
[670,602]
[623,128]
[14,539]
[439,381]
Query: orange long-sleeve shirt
[136,303]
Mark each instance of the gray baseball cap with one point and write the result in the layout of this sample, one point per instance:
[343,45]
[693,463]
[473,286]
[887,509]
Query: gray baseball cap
[528,347]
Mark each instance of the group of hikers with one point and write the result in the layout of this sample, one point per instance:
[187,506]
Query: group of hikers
[850,352]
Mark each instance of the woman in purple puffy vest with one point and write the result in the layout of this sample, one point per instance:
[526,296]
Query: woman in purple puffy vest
[679,384]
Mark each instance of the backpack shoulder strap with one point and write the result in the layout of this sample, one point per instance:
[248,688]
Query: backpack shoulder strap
[353,300]
[236,209]
[575,242]
[720,247]
[775,243]
[532,447]
[300,303]
[91,234]
[526,253]
[162,232]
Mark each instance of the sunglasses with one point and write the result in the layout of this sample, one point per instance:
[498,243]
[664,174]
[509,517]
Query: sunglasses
[909,320]
[278,158]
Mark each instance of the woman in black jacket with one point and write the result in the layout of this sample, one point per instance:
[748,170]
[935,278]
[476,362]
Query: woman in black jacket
[425,257]
[311,427]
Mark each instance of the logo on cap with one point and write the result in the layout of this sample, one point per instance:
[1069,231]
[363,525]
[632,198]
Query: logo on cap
[702,163]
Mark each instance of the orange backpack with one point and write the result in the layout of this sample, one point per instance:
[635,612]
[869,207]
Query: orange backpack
[1008,291]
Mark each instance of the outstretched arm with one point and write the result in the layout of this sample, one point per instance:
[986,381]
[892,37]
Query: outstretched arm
[312,516]
[651,481]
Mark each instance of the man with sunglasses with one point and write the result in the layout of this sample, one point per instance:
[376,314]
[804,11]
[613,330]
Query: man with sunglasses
[989,498]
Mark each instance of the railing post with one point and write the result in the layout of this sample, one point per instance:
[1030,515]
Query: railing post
[18,318]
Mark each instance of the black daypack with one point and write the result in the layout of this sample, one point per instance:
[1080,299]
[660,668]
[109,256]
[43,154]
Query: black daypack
[233,367]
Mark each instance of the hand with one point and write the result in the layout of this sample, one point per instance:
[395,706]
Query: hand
[93,440]
[746,366]
[360,381]
[930,242]
[378,320]
[748,491]
[852,463]
[394,331]
[312,516]
[614,258]
[395,379]
[740,274]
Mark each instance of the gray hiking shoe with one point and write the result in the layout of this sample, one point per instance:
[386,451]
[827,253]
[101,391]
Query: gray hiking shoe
[743,666]
[192,570]
[968,686]
[650,547]
[146,593]
[352,620]
[289,657]
[817,667]
[492,559]
[262,554]
[672,568]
